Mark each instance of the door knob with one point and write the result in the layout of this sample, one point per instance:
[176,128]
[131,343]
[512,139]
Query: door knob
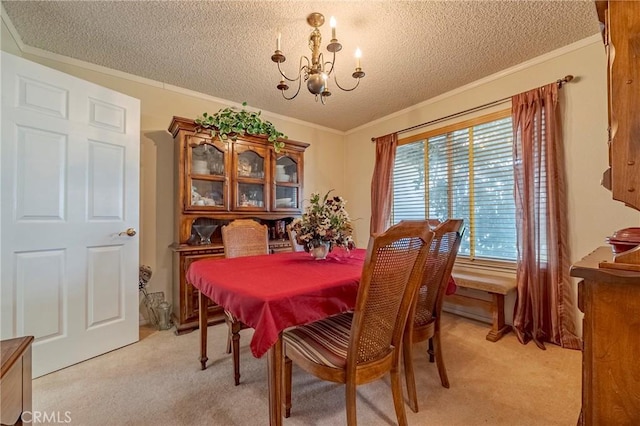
[129,232]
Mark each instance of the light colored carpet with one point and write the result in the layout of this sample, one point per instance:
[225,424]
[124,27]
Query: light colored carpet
[158,381]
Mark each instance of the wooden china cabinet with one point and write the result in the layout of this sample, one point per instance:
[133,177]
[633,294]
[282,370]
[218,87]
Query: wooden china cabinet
[609,293]
[218,182]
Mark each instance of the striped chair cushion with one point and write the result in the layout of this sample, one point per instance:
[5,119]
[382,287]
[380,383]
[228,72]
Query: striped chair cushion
[229,316]
[324,342]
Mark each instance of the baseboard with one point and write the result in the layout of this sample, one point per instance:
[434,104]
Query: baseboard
[456,310]
[142,320]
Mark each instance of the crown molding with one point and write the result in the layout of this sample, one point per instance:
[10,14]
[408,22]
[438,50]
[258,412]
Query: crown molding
[12,30]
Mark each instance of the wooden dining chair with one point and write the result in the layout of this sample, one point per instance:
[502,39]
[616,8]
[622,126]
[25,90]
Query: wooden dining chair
[361,346]
[242,237]
[424,317]
[292,238]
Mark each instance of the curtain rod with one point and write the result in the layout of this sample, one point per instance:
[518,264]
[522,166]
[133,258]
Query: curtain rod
[559,82]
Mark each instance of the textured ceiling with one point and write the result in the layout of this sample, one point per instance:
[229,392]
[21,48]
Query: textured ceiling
[412,50]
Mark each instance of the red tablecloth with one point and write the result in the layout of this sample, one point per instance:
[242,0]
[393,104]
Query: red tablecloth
[272,292]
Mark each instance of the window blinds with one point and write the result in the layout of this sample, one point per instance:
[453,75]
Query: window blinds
[463,173]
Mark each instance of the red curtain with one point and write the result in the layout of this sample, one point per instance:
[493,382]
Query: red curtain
[544,310]
[382,183]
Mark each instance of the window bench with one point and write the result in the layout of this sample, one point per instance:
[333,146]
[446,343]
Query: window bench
[497,287]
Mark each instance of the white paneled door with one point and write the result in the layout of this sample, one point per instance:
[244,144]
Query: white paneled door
[70,183]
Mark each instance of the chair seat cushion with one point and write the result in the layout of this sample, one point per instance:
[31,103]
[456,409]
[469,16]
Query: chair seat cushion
[324,342]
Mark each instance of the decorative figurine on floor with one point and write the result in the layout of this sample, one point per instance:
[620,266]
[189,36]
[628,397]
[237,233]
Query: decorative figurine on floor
[144,276]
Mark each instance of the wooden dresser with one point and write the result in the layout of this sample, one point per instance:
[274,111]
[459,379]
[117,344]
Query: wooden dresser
[609,293]
[15,380]
[610,300]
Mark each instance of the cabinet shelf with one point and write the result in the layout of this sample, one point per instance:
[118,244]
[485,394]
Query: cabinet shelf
[208,177]
[250,180]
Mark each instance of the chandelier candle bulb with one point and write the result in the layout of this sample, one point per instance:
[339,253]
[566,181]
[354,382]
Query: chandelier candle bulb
[358,56]
[332,23]
[325,91]
[278,41]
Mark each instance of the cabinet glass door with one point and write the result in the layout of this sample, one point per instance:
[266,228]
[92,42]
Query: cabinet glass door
[251,195]
[286,197]
[207,184]
[287,183]
[207,160]
[207,193]
[286,170]
[250,165]
[250,176]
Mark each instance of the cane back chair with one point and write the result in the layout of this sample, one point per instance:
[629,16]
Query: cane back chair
[361,346]
[424,317]
[242,237]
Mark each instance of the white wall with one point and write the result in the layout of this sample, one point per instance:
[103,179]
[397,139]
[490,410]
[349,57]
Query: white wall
[593,214]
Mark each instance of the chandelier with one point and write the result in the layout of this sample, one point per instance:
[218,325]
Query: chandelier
[316,72]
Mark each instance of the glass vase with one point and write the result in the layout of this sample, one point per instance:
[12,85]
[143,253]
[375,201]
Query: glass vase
[320,250]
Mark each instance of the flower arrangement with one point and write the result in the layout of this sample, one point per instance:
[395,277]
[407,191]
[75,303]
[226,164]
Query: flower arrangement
[325,220]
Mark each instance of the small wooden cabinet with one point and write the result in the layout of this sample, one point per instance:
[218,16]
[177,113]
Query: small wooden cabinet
[609,295]
[15,380]
[217,182]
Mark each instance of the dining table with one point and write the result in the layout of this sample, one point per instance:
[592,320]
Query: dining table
[273,292]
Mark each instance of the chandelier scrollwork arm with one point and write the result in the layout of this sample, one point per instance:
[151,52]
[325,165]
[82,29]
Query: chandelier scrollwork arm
[357,77]
[295,94]
[330,64]
[282,89]
[302,69]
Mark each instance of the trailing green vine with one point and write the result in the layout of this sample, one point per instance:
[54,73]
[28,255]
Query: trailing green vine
[229,123]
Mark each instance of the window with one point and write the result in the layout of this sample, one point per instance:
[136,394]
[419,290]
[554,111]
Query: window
[462,171]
